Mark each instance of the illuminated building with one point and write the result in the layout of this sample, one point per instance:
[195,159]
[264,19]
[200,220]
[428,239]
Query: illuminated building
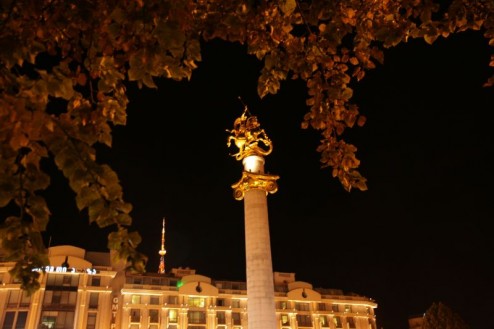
[83,290]
[75,292]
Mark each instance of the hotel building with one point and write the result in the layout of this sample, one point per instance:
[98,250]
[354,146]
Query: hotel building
[83,289]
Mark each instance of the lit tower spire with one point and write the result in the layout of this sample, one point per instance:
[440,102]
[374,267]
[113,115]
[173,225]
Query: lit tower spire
[162,251]
[253,144]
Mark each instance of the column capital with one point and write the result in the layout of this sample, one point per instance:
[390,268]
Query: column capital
[251,181]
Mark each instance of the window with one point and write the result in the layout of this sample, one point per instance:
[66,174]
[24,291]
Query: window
[304,320]
[135,315]
[21,320]
[66,280]
[25,299]
[196,301]
[93,300]
[56,298]
[348,308]
[283,305]
[154,316]
[220,302]
[13,298]
[14,320]
[324,321]
[91,321]
[8,322]
[302,306]
[68,298]
[367,310]
[18,298]
[220,318]
[60,297]
[95,281]
[172,316]
[337,322]
[135,299]
[58,280]
[154,300]
[285,320]
[335,307]
[197,317]
[236,303]
[321,307]
[351,322]
[173,300]
[237,286]
[57,319]
[236,318]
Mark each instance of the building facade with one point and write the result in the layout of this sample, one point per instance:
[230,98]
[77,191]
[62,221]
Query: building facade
[84,290]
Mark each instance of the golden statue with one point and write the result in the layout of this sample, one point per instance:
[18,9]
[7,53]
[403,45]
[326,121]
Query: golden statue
[247,134]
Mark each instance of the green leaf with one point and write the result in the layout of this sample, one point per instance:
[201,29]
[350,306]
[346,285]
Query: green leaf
[96,210]
[38,210]
[134,239]
[86,197]
[123,219]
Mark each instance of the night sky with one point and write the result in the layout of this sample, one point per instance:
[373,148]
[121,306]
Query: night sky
[420,234]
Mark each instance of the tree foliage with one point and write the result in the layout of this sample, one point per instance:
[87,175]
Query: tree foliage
[64,66]
[440,316]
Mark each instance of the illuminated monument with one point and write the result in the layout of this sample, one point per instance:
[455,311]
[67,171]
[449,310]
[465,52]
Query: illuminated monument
[253,144]
[97,292]
[162,252]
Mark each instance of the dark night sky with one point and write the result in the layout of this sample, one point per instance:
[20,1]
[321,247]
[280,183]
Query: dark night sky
[420,234]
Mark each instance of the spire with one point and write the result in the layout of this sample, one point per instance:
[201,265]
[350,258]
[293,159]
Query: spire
[162,251]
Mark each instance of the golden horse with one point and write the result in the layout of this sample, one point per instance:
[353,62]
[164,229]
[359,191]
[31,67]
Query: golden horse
[247,134]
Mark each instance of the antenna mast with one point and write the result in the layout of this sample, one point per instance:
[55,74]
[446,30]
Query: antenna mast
[162,251]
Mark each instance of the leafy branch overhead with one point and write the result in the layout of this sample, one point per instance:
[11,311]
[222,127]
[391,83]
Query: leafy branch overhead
[64,66]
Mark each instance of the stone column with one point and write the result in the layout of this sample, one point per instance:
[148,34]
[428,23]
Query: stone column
[260,288]
[253,187]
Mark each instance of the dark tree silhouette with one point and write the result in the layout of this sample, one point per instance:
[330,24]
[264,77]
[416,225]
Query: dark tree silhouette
[440,316]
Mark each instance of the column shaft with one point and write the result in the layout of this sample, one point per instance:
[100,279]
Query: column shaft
[260,287]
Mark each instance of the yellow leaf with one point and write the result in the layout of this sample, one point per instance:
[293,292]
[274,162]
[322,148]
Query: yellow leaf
[81,79]
[287,6]
[361,120]
[49,125]
[430,38]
